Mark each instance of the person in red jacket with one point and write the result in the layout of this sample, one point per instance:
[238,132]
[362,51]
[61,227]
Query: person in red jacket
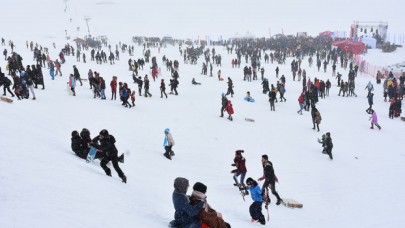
[301,103]
[239,162]
[318,84]
[229,109]
[113,85]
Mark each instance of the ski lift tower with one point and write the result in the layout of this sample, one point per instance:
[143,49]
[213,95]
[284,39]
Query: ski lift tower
[87,22]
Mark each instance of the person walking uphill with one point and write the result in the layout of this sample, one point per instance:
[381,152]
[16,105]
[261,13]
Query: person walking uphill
[270,179]
[77,75]
[107,145]
[185,213]
[374,120]
[72,84]
[224,104]
[168,144]
[316,117]
[229,109]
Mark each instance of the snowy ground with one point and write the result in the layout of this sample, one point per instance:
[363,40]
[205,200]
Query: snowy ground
[43,184]
[381,59]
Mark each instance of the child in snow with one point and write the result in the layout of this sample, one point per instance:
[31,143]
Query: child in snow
[168,144]
[219,75]
[194,82]
[256,207]
[72,84]
[133,98]
[248,97]
[374,120]
[24,93]
[229,109]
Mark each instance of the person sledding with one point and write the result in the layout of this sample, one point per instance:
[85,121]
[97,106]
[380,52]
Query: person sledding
[194,82]
[248,97]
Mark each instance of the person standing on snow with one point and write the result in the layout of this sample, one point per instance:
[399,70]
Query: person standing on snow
[315,116]
[163,89]
[229,109]
[374,120]
[113,85]
[77,75]
[301,103]
[269,180]
[168,144]
[230,87]
[58,66]
[369,87]
[239,162]
[224,104]
[107,145]
[52,70]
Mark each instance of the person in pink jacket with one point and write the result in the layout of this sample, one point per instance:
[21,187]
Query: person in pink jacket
[374,120]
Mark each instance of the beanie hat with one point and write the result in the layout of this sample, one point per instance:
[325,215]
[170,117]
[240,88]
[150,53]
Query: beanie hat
[22,73]
[167,130]
[223,94]
[104,132]
[200,187]
[238,152]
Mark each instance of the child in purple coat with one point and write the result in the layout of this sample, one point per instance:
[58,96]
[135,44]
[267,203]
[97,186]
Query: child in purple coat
[374,120]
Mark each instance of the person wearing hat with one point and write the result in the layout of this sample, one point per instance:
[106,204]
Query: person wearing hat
[107,146]
[255,208]
[229,109]
[194,82]
[207,215]
[240,163]
[224,104]
[168,144]
[219,75]
[185,213]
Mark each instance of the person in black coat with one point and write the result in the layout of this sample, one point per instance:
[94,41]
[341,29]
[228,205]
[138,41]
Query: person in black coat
[163,89]
[77,75]
[329,145]
[6,84]
[314,114]
[224,104]
[272,97]
[79,145]
[270,179]
[107,145]
[230,87]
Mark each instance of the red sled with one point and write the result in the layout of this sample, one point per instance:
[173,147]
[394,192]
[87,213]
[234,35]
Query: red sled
[221,79]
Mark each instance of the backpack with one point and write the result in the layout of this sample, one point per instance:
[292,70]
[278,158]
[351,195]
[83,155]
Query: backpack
[29,81]
[318,117]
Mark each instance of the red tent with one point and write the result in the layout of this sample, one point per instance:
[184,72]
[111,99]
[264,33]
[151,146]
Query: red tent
[326,33]
[350,45]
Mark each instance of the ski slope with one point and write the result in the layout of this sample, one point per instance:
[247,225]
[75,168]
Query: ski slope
[43,184]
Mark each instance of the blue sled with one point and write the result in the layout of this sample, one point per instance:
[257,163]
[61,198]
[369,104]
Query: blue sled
[250,100]
[91,155]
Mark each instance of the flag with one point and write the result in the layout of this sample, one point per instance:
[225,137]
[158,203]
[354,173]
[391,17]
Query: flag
[269,32]
[282,31]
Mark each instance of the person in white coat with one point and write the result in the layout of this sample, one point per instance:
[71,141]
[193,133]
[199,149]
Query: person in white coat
[168,144]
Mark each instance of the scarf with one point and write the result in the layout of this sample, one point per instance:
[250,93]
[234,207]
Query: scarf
[201,196]
[165,142]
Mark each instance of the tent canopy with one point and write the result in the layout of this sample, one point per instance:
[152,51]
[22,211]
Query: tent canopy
[350,45]
[369,41]
[236,36]
[249,35]
[326,33]
[78,40]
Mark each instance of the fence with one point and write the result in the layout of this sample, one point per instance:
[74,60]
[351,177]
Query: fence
[372,70]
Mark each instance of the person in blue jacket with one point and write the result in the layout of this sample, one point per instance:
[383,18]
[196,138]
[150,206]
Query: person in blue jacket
[185,212]
[256,207]
[370,102]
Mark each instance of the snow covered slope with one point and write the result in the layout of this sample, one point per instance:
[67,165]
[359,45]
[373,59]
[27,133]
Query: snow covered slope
[43,184]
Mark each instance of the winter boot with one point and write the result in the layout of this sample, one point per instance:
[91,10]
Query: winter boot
[379,128]
[167,156]
[279,201]
[108,172]
[371,127]
[124,178]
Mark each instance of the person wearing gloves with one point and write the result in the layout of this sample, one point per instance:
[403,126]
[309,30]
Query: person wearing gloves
[168,144]
[239,162]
